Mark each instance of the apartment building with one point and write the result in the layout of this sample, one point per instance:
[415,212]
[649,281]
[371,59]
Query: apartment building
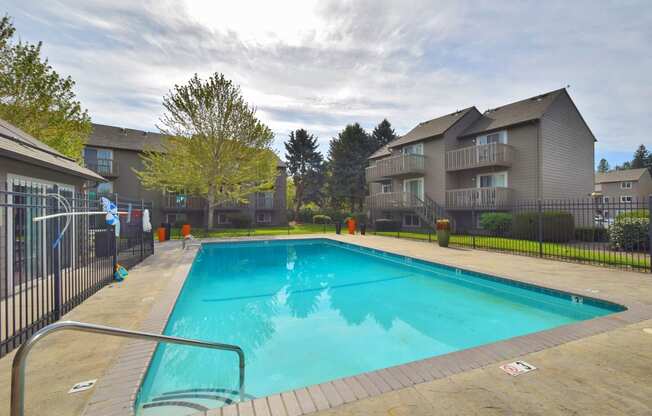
[114,153]
[624,185]
[469,162]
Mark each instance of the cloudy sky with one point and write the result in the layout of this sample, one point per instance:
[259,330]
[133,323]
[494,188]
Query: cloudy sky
[322,64]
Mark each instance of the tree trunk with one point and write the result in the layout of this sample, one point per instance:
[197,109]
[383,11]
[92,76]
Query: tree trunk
[211,207]
[298,196]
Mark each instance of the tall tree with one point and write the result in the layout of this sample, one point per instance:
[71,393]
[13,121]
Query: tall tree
[304,163]
[217,148]
[603,166]
[641,158]
[35,98]
[383,133]
[348,153]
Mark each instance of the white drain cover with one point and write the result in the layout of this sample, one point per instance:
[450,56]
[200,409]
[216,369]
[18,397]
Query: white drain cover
[517,368]
[82,385]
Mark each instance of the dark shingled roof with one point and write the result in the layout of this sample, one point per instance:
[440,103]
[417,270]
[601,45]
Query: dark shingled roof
[16,144]
[620,175]
[515,113]
[126,139]
[430,128]
[382,152]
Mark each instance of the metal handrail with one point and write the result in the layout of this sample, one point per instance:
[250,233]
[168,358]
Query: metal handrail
[18,364]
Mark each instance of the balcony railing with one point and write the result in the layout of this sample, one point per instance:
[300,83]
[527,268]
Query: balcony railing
[394,166]
[479,198]
[189,202]
[393,200]
[105,167]
[492,154]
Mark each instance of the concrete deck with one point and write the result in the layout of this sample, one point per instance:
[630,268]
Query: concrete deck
[579,372]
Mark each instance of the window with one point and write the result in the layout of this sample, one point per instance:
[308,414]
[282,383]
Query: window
[413,149]
[99,160]
[497,137]
[414,187]
[263,217]
[104,188]
[411,220]
[492,180]
[626,198]
[626,185]
[223,219]
[386,188]
[176,218]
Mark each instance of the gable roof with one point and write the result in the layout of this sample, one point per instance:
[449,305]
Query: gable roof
[126,139]
[530,109]
[430,128]
[16,144]
[620,175]
[382,152]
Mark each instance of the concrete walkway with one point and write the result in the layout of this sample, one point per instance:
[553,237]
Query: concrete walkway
[606,374]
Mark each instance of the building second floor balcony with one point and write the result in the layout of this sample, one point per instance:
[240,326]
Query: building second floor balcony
[493,198]
[185,202]
[393,201]
[403,165]
[107,168]
[471,157]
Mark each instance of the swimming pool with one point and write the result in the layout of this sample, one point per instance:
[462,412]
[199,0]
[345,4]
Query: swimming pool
[308,311]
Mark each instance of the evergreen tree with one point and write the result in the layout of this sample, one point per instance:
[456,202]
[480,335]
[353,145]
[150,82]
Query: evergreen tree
[36,99]
[304,163]
[603,166]
[348,155]
[641,158]
[383,133]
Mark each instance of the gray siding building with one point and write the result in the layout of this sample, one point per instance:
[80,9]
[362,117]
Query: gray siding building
[467,161]
[624,185]
[114,152]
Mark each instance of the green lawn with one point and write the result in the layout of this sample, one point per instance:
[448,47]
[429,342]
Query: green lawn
[636,260]
[242,232]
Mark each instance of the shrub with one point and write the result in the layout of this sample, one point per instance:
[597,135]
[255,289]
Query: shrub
[591,234]
[321,219]
[360,217]
[239,220]
[558,227]
[630,234]
[497,223]
[305,215]
[335,214]
[639,213]
[385,224]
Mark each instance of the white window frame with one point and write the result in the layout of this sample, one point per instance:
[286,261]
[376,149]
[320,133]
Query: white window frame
[623,198]
[267,218]
[417,225]
[405,186]
[385,188]
[503,138]
[418,149]
[504,172]
[626,185]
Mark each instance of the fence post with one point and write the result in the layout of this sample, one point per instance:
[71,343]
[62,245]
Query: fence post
[649,231]
[142,232]
[473,221]
[56,269]
[115,239]
[540,226]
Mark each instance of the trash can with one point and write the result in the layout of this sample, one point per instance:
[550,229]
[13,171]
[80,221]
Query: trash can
[161,234]
[168,229]
[338,228]
[363,229]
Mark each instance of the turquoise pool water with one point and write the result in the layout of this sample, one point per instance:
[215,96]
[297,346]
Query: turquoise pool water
[308,311]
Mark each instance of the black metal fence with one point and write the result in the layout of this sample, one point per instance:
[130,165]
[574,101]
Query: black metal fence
[593,231]
[45,273]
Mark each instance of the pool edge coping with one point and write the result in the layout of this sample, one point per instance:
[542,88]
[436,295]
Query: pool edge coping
[118,389]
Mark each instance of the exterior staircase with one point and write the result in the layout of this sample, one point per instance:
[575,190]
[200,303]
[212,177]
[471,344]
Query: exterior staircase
[426,208]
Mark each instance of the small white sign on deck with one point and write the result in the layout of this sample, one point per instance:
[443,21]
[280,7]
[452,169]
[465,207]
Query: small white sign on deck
[82,385]
[517,368]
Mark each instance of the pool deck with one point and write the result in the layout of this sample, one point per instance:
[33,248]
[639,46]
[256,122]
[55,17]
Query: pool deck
[601,366]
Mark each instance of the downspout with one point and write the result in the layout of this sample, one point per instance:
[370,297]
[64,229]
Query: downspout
[539,162]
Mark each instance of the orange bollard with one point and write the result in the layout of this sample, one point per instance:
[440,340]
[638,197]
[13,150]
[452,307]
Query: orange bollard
[161,234]
[185,229]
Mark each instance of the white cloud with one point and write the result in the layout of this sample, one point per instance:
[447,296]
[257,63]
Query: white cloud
[322,64]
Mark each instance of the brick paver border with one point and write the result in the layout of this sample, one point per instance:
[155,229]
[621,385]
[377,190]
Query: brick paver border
[116,392]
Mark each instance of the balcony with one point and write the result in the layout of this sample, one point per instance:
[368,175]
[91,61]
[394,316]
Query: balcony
[396,166]
[183,202]
[471,157]
[107,168]
[479,198]
[389,201]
